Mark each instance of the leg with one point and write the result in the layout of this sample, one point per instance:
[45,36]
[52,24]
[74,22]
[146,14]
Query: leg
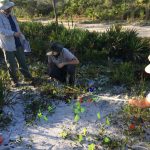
[71,72]
[22,63]
[57,73]
[11,64]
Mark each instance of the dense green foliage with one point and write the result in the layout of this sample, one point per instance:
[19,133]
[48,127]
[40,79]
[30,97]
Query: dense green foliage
[94,9]
[89,46]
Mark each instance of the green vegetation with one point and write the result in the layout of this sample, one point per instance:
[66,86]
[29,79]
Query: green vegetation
[93,9]
[115,43]
[120,55]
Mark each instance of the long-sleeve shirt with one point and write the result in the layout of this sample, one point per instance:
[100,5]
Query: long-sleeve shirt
[7,39]
[14,28]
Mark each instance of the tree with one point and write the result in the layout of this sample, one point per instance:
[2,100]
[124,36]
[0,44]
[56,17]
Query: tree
[55,10]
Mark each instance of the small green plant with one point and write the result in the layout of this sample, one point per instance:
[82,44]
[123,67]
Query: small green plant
[98,116]
[80,138]
[77,111]
[84,131]
[65,132]
[36,108]
[91,147]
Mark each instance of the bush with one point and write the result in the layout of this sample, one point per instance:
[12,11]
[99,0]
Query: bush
[123,74]
[115,43]
[125,45]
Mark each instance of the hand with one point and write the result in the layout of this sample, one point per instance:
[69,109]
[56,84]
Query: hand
[61,65]
[17,34]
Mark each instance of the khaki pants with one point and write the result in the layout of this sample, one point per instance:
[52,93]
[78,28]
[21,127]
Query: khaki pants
[11,59]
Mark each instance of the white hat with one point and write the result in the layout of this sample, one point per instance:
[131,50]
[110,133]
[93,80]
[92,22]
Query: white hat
[5,4]
[147,68]
[49,53]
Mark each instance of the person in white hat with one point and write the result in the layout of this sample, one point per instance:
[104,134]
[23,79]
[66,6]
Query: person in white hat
[145,102]
[11,42]
[61,63]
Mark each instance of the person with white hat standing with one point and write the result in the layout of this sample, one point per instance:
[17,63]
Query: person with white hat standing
[11,42]
[145,102]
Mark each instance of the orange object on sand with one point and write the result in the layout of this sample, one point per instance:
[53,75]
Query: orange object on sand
[80,100]
[143,103]
[132,126]
[1,139]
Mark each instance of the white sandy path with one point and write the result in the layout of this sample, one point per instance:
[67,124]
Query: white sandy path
[46,135]
[143,31]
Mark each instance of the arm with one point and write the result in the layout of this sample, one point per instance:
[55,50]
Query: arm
[69,57]
[6,32]
[74,61]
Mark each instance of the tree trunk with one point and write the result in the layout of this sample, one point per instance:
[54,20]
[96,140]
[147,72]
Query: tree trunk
[55,10]
[63,4]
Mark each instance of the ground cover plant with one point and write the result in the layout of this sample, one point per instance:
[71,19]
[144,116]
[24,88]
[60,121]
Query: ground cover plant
[39,106]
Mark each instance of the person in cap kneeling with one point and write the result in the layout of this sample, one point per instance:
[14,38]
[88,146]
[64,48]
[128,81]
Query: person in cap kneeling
[145,102]
[61,63]
[11,42]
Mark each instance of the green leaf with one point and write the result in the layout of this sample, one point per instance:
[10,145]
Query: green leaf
[82,110]
[80,138]
[98,115]
[76,111]
[106,140]
[84,131]
[50,108]
[63,134]
[45,118]
[54,92]
[78,104]
[91,147]
[95,99]
[40,114]
[107,121]
[76,118]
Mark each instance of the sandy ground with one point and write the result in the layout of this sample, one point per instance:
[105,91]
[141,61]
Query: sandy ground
[143,31]
[45,135]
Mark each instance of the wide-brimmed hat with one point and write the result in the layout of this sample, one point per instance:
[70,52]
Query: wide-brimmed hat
[5,4]
[147,68]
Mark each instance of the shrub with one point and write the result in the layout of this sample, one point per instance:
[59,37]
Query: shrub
[123,73]
[125,45]
[115,43]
